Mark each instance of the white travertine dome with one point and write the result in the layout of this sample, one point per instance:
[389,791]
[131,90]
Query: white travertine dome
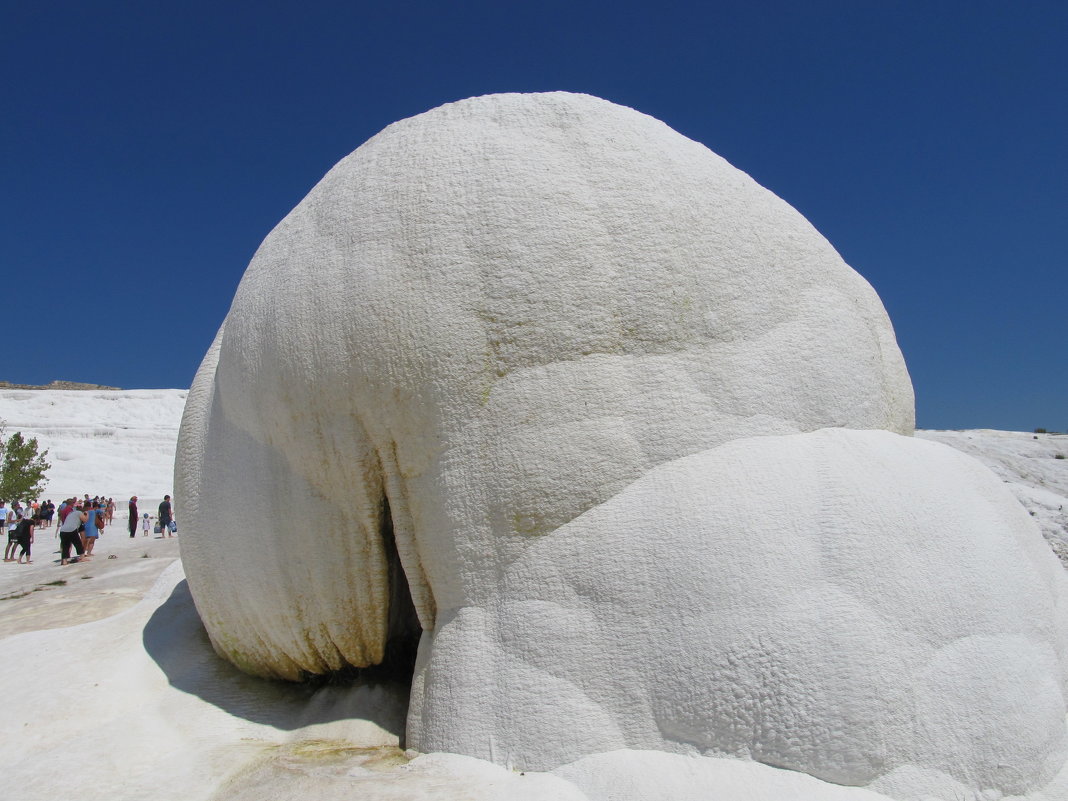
[490,323]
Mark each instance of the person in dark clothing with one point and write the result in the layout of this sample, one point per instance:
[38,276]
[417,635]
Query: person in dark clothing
[133,516]
[25,537]
[165,516]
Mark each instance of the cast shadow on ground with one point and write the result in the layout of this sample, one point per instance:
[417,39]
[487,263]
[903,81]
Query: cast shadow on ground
[175,639]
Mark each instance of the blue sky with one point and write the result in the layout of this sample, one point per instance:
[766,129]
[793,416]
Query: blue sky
[147,148]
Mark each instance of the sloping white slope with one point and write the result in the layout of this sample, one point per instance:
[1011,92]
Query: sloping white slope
[1035,468]
[115,443]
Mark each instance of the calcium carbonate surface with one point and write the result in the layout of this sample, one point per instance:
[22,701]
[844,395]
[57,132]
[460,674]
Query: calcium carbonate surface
[568,373]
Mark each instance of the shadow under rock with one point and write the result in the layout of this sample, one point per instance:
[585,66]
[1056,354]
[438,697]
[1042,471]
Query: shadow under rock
[175,639]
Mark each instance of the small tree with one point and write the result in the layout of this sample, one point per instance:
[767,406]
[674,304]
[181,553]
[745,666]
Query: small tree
[22,468]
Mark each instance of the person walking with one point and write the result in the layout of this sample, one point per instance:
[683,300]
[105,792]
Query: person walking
[25,536]
[165,516]
[6,515]
[133,516]
[17,513]
[93,525]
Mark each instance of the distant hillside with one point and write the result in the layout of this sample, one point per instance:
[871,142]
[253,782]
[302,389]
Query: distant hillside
[56,385]
[115,443]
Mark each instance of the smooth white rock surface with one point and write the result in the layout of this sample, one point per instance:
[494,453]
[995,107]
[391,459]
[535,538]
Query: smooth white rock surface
[498,314]
[577,353]
[840,603]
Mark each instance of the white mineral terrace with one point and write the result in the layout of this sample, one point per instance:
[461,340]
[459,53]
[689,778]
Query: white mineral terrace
[545,444]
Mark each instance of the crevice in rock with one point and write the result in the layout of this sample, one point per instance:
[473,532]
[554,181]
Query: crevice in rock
[402,541]
[403,630]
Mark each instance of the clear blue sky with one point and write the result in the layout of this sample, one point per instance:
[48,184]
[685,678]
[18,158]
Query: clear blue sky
[147,149]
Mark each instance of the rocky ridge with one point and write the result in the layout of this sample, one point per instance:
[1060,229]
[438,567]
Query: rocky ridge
[56,385]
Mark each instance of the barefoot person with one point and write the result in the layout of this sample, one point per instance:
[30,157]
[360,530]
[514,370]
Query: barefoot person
[165,517]
[25,537]
[68,534]
[94,522]
[16,514]
[5,518]
[132,520]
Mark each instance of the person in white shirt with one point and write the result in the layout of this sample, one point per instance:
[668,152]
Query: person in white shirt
[7,516]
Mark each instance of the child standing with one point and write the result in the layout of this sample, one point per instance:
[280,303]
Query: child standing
[146,524]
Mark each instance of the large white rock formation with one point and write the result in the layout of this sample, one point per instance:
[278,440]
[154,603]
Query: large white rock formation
[563,373]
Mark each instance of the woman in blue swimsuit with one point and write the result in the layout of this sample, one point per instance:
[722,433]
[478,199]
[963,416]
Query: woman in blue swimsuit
[92,528]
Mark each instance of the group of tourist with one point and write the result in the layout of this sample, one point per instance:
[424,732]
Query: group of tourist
[79,523]
[165,524]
